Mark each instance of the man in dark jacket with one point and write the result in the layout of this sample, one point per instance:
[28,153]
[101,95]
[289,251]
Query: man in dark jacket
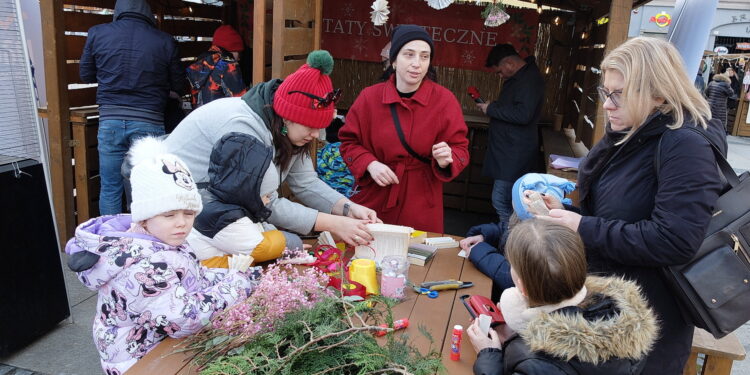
[513,136]
[136,66]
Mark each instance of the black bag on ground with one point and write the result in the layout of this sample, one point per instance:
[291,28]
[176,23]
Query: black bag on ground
[714,286]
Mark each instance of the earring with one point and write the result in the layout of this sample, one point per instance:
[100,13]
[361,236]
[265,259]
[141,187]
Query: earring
[284,130]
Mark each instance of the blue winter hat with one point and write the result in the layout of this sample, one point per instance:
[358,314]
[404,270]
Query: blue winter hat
[544,184]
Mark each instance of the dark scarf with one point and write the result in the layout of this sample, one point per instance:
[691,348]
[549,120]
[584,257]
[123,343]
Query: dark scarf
[602,153]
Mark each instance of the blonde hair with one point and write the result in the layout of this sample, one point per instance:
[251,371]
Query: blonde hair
[550,260]
[652,68]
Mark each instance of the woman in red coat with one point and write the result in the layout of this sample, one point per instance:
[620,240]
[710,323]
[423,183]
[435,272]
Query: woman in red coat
[405,187]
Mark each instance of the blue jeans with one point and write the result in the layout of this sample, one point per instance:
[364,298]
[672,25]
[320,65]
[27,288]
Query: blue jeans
[501,199]
[115,138]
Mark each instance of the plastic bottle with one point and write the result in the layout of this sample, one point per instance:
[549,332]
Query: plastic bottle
[458,331]
[393,276]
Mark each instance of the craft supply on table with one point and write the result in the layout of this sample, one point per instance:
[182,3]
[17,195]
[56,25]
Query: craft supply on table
[478,305]
[484,324]
[564,162]
[441,242]
[393,276]
[456,342]
[446,284]
[419,254]
[417,236]
[397,324]
[387,240]
[352,288]
[363,272]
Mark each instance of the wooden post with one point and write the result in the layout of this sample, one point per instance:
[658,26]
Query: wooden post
[61,168]
[617,33]
[259,41]
[318,33]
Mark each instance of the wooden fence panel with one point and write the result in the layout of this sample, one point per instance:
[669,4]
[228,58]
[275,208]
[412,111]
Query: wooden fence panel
[82,97]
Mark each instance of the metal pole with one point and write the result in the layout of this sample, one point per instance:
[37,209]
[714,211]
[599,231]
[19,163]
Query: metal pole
[690,28]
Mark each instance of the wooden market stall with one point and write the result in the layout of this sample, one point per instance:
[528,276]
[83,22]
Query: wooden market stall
[569,43]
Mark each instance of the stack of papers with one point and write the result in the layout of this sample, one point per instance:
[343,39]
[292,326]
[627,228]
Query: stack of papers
[567,163]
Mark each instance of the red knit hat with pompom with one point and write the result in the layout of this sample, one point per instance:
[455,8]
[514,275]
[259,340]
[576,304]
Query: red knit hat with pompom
[229,39]
[311,78]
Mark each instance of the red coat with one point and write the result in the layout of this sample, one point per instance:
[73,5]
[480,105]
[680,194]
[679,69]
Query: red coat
[431,116]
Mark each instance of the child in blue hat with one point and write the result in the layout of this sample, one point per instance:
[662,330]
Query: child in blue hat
[485,243]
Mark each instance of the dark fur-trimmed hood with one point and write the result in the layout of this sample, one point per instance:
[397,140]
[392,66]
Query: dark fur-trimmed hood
[630,333]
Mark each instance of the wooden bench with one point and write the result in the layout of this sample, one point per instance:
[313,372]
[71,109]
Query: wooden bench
[719,354]
[563,143]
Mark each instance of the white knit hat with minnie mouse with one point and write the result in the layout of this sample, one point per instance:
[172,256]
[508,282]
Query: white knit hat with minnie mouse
[161,181]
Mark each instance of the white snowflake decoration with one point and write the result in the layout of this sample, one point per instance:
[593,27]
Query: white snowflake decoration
[496,17]
[348,10]
[379,12]
[439,4]
[467,57]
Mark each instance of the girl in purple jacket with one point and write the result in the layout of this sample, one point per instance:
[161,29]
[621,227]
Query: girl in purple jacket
[149,282]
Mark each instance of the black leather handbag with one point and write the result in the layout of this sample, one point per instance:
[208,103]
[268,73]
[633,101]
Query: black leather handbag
[714,286]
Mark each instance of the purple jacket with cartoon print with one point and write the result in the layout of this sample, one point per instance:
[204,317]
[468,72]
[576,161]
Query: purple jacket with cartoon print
[148,290]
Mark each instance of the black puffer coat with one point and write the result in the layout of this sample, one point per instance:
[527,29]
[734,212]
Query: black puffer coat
[635,222]
[610,333]
[717,93]
[238,164]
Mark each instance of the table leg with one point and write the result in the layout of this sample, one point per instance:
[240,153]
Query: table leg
[717,366]
[691,367]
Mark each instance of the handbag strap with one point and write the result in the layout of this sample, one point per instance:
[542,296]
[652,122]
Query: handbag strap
[401,138]
[721,161]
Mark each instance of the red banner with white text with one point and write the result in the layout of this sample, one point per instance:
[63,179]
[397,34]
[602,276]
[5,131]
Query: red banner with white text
[458,31]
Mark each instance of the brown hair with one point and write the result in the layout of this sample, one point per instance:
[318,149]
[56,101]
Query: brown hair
[284,148]
[550,260]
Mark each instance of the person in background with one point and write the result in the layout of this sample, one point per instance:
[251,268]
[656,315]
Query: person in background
[734,83]
[149,283]
[718,93]
[633,220]
[285,116]
[513,138]
[216,73]
[558,320]
[406,136]
[136,66]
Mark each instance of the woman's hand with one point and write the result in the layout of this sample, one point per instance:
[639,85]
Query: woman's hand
[479,340]
[442,154]
[358,211]
[352,231]
[550,201]
[381,174]
[467,243]
[567,218]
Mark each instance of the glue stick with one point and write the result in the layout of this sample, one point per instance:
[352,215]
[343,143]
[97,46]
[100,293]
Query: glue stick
[456,342]
[397,324]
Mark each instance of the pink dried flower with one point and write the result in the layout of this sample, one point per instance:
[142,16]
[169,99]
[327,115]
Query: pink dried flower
[281,289]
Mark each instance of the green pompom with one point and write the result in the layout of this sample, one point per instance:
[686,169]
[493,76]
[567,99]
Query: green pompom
[321,60]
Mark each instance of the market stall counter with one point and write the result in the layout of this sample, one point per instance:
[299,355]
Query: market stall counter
[437,315]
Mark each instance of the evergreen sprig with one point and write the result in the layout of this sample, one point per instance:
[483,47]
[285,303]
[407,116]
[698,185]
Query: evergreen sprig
[332,337]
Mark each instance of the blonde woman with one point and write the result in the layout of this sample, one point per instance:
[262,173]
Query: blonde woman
[633,221]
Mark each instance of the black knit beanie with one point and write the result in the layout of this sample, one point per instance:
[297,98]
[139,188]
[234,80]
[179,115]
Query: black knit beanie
[403,34]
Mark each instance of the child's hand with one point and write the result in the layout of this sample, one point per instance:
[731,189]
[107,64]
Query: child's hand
[266,199]
[467,243]
[479,340]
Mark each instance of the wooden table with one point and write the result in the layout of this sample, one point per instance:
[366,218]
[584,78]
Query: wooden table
[438,315]
[719,354]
